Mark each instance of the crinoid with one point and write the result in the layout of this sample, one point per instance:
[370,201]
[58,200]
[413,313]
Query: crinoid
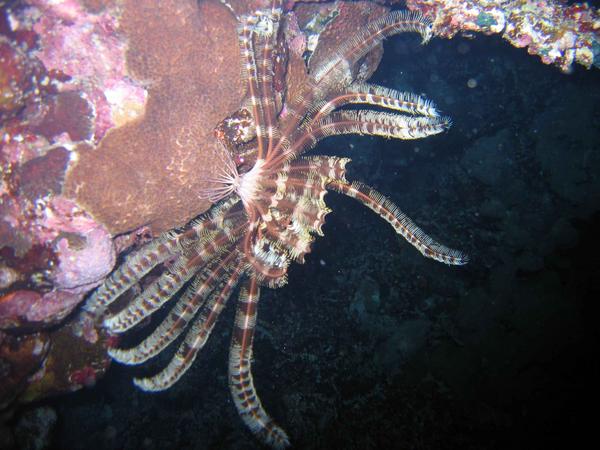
[270,205]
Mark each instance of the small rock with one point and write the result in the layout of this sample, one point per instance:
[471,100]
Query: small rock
[366,298]
[34,429]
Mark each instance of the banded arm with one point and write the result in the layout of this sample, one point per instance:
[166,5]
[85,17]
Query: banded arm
[214,278]
[403,225]
[241,383]
[196,336]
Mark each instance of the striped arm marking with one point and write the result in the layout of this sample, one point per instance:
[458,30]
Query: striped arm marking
[373,95]
[256,34]
[214,278]
[140,263]
[368,37]
[167,284]
[195,338]
[250,75]
[369,123]
[241,383]
[375,123]
[327,166]
[264,43]
[268,262]
[388,98]
[132,270]
[403,225]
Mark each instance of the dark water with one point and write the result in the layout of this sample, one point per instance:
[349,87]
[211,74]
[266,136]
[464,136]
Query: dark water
[372,346]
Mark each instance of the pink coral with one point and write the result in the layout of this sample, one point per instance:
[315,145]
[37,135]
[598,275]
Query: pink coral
[69,36]
[83,246]
[83,264]
[80,254]
[27,309]
[85,376]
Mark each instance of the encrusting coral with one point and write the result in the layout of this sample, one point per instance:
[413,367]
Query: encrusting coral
[149,171]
